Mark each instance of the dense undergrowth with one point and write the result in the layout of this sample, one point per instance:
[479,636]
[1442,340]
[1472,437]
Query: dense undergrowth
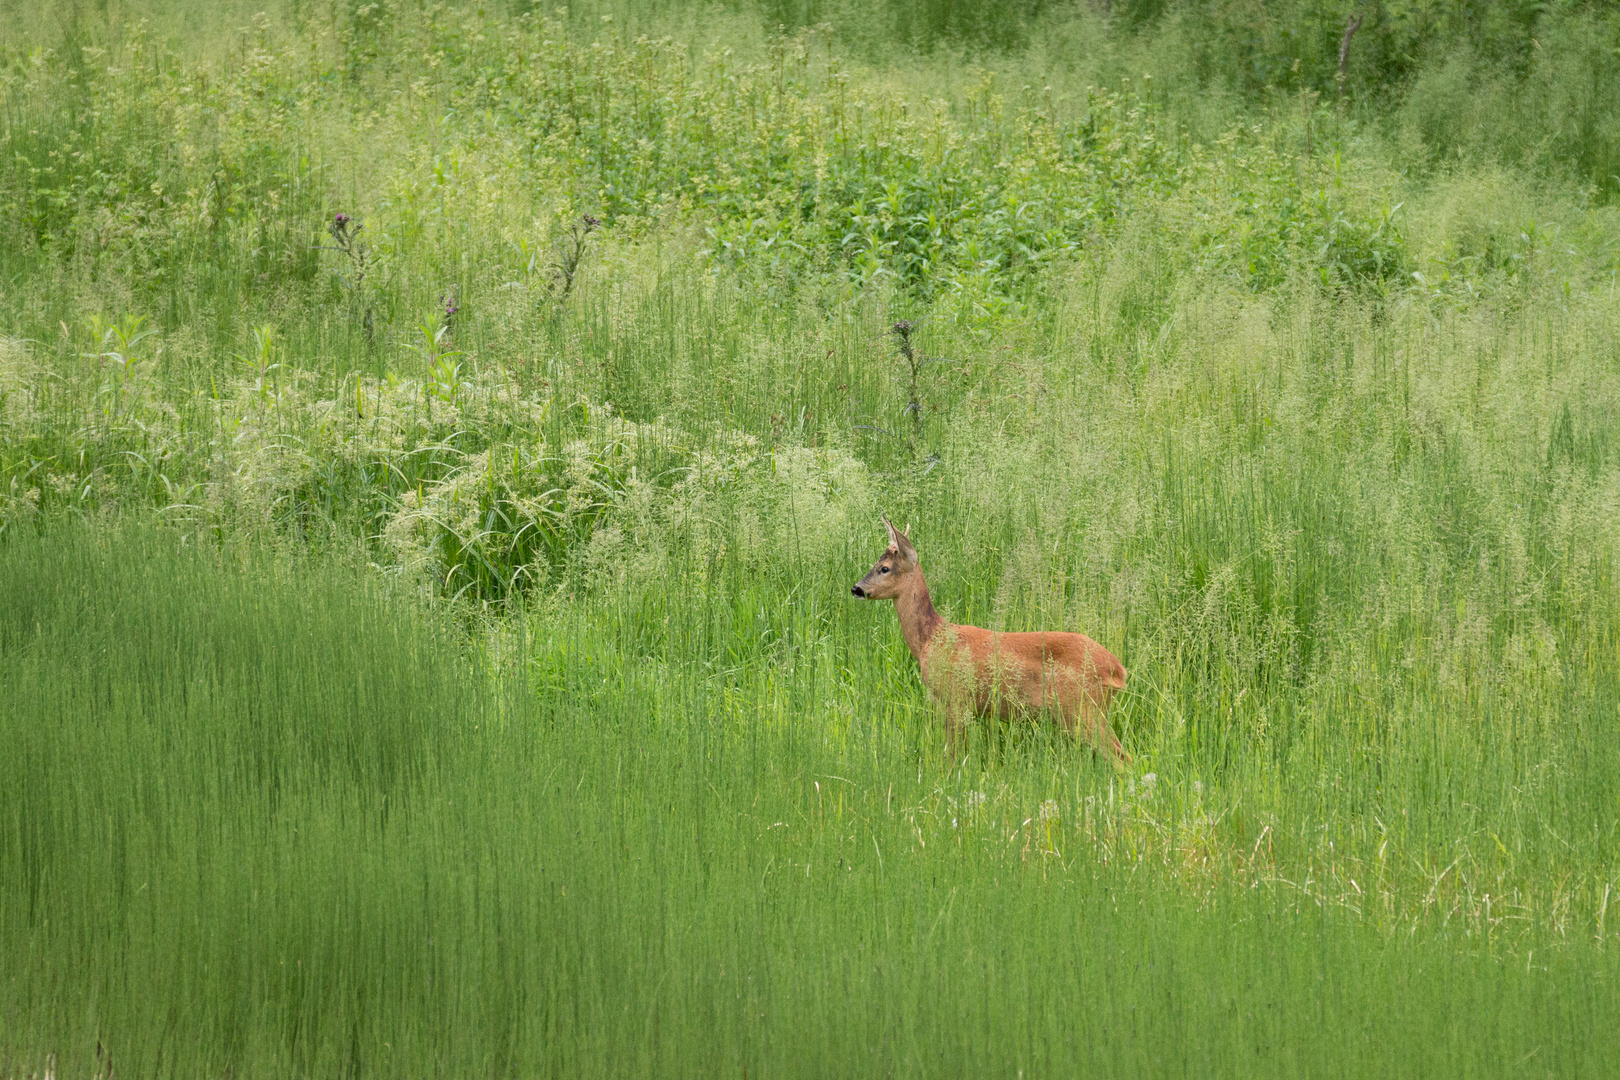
[266,818]
[608,336]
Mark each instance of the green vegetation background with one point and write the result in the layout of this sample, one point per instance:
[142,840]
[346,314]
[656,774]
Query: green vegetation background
[436,442]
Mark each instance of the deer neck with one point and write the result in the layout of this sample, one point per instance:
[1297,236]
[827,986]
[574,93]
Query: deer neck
[918,619]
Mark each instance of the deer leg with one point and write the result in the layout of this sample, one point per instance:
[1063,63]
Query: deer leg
[955,736]
[1094,721]
[1120,756]
[952,691]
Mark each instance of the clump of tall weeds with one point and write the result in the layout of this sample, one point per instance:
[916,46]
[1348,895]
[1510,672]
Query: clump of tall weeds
[570,252]
[351,273]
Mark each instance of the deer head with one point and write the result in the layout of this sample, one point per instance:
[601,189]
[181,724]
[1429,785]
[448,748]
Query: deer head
[886,579]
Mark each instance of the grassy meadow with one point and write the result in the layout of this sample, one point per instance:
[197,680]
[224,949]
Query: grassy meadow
[437,441]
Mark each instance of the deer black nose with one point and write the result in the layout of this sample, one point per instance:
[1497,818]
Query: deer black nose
[856,590]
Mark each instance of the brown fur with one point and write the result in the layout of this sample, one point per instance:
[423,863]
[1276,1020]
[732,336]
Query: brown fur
[973,671]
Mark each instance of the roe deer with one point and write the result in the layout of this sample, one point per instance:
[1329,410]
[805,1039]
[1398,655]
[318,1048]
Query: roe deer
[972,670]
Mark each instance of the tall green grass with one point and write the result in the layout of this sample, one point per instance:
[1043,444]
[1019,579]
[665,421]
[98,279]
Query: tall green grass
[263,817]
[452,668]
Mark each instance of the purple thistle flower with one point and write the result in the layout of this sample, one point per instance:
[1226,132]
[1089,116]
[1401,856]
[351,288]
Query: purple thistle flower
[341,220]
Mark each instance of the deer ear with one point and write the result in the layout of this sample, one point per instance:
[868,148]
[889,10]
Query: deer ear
[902,544]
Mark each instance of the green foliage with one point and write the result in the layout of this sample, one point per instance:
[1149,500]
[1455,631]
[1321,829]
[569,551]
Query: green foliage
[130,162]
[278,802]
[923,26]
[802,170]
[1529,83]
[794,171]
[611,347]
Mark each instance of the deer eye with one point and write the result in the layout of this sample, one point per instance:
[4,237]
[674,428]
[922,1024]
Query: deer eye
[883,569]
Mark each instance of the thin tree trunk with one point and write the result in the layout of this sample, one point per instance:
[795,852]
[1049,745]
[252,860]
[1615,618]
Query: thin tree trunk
[1351,25]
